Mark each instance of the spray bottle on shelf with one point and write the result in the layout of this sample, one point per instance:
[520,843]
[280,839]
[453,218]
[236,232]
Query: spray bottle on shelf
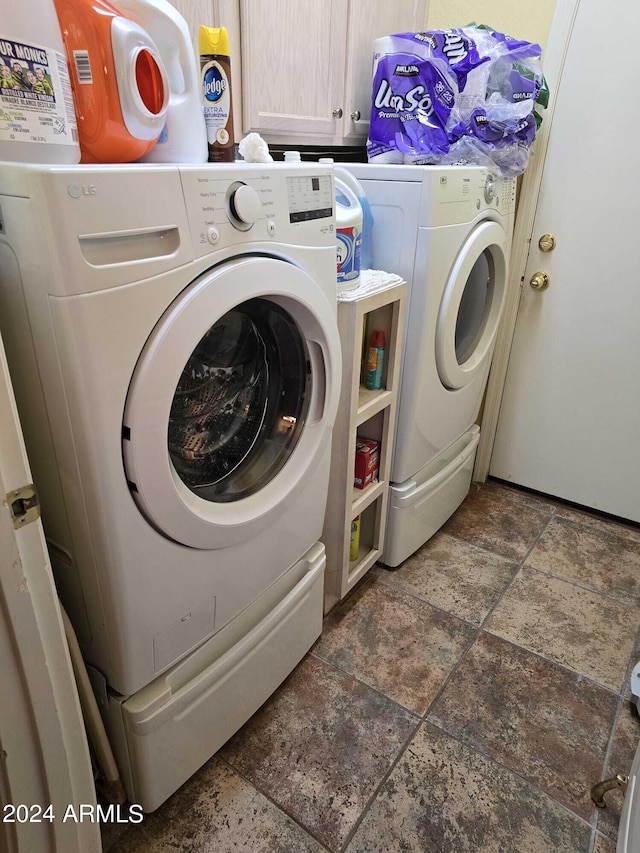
[215,73]
[375,361]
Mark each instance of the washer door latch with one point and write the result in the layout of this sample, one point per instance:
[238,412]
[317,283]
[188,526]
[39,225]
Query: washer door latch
[23,504]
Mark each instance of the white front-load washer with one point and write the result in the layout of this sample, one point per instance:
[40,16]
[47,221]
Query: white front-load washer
[447,231]
[172,336]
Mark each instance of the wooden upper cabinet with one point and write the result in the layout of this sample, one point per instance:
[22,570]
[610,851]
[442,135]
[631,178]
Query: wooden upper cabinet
[368,21]
[306,65]
[293,66]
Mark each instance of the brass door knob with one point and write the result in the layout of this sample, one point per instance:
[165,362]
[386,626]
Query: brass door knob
[547,243]
[539,281]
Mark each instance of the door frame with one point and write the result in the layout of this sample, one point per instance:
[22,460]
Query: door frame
[45,755]
[556,54]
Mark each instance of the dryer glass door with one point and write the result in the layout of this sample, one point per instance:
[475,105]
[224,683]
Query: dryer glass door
[240,403]
[471,306]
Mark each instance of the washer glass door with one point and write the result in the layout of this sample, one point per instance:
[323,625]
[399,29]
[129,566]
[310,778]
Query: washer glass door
[471,306]
[240,403]
[232,401]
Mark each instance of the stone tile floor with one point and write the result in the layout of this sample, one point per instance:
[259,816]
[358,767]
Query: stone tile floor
[465,702]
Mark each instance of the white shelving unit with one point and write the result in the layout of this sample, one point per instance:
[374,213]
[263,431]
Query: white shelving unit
[365,414]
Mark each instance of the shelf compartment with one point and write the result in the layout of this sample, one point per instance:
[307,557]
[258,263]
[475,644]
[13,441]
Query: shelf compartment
[370,403]
[358,568]
[362,413]
[370,547]
[362,498]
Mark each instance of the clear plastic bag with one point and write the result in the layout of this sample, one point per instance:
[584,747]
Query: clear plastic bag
[465,95]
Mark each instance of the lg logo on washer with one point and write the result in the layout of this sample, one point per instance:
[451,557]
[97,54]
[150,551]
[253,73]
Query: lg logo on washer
[78,190]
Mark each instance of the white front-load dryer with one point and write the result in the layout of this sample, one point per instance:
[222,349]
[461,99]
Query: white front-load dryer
[447,231]
[172,336]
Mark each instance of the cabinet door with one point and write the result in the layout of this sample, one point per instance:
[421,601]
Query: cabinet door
[293,55]
[369,20]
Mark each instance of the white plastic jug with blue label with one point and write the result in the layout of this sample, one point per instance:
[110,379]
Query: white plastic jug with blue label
[350,180]
[348,236]
[367,217]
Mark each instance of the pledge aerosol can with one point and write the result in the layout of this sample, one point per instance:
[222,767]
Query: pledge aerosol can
[215,74]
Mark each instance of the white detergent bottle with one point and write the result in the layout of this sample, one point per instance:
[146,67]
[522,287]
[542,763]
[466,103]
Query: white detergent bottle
[184,137]
[37,115]
[348,236]
[367,217]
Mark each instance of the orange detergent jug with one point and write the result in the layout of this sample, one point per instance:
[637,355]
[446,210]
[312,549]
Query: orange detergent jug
[119,82]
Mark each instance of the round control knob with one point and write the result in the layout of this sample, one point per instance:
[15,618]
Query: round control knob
[213,235]
[246,205]
[490,191]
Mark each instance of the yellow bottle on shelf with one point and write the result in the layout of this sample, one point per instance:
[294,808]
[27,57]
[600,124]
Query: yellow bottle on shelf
[354,544]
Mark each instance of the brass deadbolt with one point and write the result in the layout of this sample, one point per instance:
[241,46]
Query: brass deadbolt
[539,281]
[547,243]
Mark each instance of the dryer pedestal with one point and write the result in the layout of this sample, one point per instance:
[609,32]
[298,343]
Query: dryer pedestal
[420,506]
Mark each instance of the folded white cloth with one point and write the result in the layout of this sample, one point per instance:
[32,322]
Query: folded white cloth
[371,281]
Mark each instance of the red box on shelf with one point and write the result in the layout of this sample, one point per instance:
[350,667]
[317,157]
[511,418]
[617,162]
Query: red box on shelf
[367,462]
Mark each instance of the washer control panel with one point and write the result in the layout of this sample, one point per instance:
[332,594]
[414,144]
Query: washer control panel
[309,197]
[239,203]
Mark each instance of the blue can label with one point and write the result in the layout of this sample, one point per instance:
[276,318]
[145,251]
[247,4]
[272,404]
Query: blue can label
[349,246]
[214,82]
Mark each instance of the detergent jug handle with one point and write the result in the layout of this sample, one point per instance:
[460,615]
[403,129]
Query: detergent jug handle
[348,193]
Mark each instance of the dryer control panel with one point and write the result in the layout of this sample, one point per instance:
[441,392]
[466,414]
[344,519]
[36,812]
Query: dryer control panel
[504,193]
[458,194]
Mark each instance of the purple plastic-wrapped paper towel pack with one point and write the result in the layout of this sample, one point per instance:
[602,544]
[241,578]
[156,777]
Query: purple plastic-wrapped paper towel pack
[464,95]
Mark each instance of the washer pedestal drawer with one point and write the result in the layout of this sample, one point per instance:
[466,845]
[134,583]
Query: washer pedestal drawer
[163,733]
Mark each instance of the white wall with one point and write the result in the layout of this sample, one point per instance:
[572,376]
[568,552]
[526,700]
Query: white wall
[529,20]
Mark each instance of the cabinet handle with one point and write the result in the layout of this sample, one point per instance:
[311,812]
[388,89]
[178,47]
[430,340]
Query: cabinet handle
[337,113]
[355,115]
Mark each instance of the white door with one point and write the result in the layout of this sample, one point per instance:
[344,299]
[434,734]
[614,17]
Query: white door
[44,757]
[569,424]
